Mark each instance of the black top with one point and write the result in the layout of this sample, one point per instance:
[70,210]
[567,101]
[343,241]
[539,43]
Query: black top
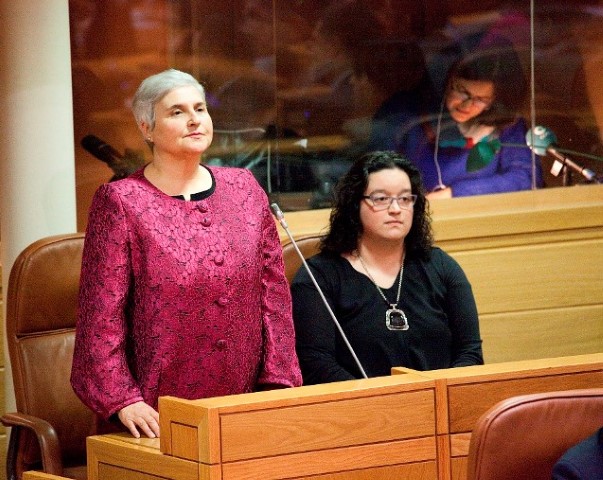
[583,461]
[436,298]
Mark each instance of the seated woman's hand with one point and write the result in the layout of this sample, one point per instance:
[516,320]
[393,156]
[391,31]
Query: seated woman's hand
[141,416]
[443,193]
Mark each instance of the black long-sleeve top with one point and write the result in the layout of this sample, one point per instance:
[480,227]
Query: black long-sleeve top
[436,298]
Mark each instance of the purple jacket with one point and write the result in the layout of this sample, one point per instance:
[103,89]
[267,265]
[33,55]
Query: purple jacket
[510,169]
[182,298]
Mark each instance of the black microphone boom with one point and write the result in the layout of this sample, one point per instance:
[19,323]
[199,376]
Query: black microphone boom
[101,150]
[122,165]
[278,213]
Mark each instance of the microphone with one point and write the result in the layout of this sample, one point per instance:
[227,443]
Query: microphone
[543,141]
[101,150]
[278,214]
[122,165]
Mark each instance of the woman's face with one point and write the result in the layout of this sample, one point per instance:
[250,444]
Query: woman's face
[392,223]
[182,123]
[466,99]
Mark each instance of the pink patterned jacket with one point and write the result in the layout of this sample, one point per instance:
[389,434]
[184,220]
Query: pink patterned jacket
[182,298]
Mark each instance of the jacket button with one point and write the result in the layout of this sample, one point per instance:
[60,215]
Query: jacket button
[221,344]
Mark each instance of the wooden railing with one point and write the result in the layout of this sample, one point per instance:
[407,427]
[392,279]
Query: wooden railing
[412,425]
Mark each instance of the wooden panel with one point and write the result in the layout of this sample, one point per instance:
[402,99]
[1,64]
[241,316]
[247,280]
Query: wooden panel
[288,420]
[459,444]
[509,370]
[469,392]
[111,472]
[530,237]
[495,220]
[542,333]
[517,213]
[414,471]
[459,468]
[336,460]
[374,428]
[351,430]
[535,276]
[34,475]
[186,447]
[443,445]
[370,419]
[122,456]
[176,438]
[468,402]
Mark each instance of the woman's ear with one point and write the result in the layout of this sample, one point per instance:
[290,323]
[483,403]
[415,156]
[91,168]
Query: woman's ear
[146,131]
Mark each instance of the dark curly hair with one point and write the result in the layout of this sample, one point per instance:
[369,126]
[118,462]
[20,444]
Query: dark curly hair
[345,225]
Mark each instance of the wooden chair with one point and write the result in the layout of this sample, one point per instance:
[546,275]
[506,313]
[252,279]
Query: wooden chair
[308,246]
[523,437]
[50,426]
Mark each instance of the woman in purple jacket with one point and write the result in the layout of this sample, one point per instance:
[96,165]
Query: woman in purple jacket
[476,143]
[182,290]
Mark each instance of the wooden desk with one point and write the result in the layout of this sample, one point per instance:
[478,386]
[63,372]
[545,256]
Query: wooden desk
[379,428]
[35,475]
[412,425]
[464,394]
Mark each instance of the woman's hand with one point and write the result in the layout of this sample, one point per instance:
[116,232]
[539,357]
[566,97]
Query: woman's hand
[141,416]
[442,193]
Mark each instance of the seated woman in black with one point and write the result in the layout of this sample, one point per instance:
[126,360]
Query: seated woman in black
[400,300]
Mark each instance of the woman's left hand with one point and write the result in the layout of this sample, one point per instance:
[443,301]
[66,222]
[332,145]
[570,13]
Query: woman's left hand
[443,193]
[141,416]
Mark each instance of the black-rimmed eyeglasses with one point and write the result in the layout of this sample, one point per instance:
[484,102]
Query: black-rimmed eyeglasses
[381,202]
[464,96]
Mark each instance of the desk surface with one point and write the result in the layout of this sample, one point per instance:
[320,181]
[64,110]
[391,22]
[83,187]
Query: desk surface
[488,215]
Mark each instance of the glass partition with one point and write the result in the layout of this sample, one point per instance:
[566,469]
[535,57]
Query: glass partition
[298,88]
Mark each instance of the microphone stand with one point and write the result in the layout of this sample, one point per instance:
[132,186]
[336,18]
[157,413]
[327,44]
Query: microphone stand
[566,163]
[278,213]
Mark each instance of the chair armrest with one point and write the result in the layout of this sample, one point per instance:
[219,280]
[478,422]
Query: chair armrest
[47,440]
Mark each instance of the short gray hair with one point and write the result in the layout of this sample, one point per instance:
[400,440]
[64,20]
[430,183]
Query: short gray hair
[154,88]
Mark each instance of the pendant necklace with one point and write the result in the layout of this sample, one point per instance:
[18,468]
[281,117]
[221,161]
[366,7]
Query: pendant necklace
[395,319]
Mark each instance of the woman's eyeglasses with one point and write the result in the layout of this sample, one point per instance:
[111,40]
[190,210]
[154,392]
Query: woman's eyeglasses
[382,202]
[464,96]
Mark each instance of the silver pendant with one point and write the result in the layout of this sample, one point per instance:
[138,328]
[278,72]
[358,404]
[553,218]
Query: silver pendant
[395,319]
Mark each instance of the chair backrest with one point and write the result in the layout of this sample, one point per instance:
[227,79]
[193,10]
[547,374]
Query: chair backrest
[523,437]
[308,246]
[40,331]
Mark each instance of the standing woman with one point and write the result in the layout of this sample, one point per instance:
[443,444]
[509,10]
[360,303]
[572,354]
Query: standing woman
[182,289]
[399,300]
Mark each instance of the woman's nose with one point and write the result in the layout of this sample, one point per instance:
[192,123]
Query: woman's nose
[394,205]
[193,119]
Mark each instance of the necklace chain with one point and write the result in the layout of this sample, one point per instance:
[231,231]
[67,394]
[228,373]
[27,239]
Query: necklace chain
[393,305]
